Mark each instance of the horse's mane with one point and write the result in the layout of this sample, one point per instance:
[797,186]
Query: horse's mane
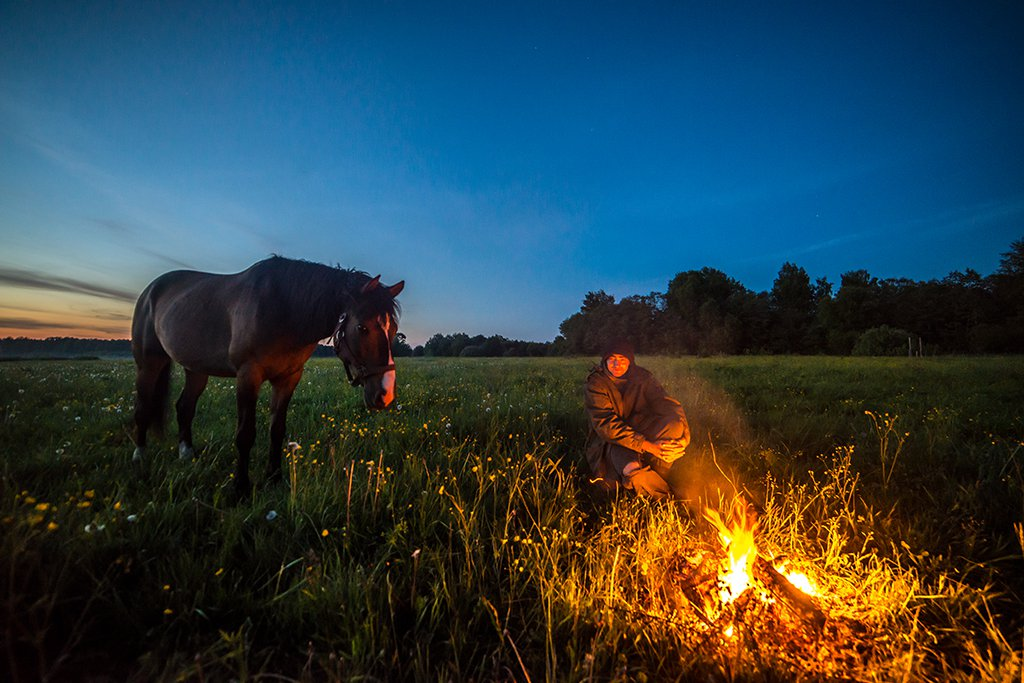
[322,291]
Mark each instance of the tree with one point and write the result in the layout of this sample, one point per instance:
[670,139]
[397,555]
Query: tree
[793,308]
[400,347]
[1008,292]
[855,308]
[705,311]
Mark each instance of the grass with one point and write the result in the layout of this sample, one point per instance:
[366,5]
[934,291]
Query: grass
[456,537]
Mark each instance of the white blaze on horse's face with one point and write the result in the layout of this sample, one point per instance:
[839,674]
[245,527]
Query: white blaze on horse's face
[387,381]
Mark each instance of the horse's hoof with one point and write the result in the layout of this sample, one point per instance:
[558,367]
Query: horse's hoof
[138,455]
[243,490]
[185,452]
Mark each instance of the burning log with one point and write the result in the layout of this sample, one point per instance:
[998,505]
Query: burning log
[784,591]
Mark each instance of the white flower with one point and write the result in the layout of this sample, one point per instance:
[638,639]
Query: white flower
[132,518]
[272,515]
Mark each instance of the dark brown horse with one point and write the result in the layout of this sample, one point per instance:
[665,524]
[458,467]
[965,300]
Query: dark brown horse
[260,325]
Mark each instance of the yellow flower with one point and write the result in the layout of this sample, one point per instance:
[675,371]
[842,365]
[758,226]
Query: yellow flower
[90,493]
[168,612]
[43,507]
[324,533]
[219,572]
[52,526]
[167,586]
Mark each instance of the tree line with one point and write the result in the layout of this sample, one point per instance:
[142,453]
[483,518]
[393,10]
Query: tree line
[706,312]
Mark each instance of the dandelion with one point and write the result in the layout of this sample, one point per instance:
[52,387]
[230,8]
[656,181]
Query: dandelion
[325,533]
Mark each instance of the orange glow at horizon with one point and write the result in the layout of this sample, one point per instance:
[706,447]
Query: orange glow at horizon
[35,315]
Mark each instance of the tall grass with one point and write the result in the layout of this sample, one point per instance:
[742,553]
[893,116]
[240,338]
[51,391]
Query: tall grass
[456,537]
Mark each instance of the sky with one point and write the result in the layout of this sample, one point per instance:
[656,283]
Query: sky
[503,158]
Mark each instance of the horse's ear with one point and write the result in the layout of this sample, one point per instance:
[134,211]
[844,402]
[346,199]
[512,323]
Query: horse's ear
[370,285]
[396,289]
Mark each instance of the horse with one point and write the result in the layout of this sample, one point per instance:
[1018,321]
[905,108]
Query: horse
[259,325]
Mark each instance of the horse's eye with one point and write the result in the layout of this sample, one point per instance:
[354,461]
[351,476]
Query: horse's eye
[362,329]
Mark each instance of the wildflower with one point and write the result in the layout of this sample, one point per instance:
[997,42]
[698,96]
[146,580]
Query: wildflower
[325,533]
[271,516]
[43,507]
[132,518]
[91,493]
[168,612]
[219,572]
[52,526]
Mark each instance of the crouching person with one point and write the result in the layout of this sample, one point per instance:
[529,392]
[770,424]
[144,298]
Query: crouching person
[636,429]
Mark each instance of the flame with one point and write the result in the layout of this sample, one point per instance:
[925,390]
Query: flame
[738,540]
[798,579]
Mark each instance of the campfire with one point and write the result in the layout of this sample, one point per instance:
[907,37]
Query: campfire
[734,594]
[742,563]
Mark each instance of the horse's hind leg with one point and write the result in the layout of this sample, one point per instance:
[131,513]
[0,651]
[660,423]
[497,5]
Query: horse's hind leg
[152,383]
[195,383]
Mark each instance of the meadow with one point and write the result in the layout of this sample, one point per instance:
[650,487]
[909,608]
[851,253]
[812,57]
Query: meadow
[456,537]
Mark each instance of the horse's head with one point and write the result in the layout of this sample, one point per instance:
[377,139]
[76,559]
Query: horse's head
[363,339]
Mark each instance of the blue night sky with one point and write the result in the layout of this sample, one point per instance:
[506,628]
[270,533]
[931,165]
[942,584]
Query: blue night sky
[502,158]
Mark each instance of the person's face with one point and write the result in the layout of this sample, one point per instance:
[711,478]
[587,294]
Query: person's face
[617,365]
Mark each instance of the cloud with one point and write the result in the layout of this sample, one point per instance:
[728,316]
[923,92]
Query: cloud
[24,323]
[33,280]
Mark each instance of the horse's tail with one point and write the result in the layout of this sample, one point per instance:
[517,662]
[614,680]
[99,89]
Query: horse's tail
[153,370]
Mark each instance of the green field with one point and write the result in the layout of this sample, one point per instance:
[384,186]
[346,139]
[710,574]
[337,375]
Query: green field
[456,537]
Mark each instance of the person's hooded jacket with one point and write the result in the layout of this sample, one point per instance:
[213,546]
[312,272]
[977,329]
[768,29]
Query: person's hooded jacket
[619,411]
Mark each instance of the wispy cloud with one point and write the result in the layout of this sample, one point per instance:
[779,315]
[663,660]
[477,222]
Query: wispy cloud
[34,280]
[24,323]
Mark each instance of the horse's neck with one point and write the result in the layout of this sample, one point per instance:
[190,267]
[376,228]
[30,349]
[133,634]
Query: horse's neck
[327,302]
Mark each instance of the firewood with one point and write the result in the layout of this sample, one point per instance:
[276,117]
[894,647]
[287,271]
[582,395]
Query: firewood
[784,591]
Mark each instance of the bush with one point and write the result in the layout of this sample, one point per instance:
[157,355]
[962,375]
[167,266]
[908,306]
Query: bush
[882,341]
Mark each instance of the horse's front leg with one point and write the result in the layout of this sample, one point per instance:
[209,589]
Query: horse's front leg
[247,391]
[283,388]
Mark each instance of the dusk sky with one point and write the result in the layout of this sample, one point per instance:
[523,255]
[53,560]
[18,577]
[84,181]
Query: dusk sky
[502,158]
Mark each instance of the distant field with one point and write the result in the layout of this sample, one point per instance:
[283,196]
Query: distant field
[456,537]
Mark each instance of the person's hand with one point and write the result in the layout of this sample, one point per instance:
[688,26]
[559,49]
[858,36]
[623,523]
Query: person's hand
[653,447]
[670,450]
